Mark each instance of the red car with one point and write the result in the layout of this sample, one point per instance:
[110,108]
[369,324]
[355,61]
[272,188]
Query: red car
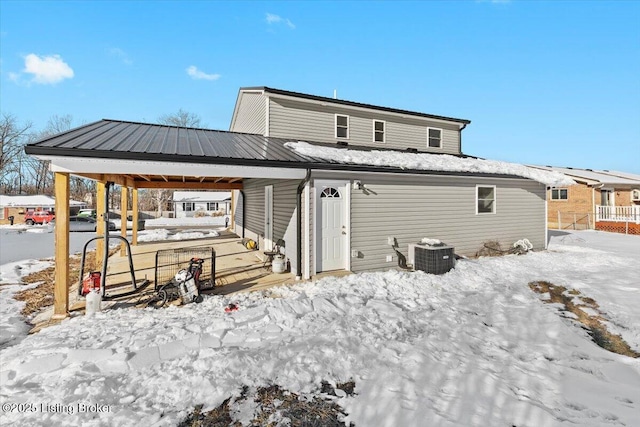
[39,217]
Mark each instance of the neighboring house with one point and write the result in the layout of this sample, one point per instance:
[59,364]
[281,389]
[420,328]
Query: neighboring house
[17,206]
[210,203]
[601,199]
[345,185]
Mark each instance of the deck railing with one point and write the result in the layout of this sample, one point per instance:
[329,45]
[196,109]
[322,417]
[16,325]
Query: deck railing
[618,213]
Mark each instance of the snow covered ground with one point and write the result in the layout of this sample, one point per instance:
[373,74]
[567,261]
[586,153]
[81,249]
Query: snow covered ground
[37,241]
[473,347]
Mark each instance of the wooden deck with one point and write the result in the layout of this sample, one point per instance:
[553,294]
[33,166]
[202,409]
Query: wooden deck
[238,269]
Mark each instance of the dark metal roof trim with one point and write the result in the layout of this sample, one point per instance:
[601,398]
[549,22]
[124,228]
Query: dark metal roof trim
[353,104]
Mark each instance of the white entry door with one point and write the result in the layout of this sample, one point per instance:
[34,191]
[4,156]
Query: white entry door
[332,228]
[268,218]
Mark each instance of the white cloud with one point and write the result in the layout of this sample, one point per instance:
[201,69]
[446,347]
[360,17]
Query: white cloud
[201,75]
[120,54]
[47,69]
[277,19]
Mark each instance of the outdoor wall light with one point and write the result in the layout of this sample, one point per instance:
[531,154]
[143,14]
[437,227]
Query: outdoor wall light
[357,185]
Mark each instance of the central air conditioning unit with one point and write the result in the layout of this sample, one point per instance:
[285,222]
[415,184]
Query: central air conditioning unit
[433,259]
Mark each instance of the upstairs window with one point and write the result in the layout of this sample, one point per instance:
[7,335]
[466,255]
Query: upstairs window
[188,207]
[486,199]
[342,126]
[435,138]
[559,194]
[378,131]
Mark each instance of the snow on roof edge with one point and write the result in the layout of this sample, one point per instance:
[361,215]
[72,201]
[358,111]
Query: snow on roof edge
[429,162]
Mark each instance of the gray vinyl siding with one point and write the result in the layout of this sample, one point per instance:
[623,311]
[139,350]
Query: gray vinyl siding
[250,116]
[441,208]
[284,213]
[313,122]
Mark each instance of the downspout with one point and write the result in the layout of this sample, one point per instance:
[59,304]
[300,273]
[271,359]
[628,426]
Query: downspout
[243,212]
[464,125]
[301,186]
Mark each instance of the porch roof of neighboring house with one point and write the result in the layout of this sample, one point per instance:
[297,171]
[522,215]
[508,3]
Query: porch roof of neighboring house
[327,100]
[161,156]
[201,196]
[38,200]
[593,177]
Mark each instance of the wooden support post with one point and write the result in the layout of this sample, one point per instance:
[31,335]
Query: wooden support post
[134,210]
[124,202]
[61,286]
[101,209]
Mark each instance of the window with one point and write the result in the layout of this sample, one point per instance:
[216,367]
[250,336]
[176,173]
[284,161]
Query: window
[486,199]
[378,131]
[212,206]
[330,192]
[559,194]
[188,207]
[435,137]
[342,126]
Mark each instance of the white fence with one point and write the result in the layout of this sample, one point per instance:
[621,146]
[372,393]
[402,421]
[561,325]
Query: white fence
[618,213]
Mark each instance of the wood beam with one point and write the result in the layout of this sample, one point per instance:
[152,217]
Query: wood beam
[101,208]
[134,208]
[231,181]
[122,180]
[189,185]
[124,202]
[146,178]
[61,286]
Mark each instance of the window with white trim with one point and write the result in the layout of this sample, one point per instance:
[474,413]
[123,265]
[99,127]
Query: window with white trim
[485,199]
[434,136]
[342,126]
[188,206]
[559,194]
[378,131]
[212,206]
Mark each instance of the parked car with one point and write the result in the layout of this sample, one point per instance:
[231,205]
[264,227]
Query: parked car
[88,212]
[85,223]
[38,217]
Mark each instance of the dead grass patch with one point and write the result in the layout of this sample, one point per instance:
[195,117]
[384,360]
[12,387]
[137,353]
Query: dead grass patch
[573,301]
[42,296]
[274,405]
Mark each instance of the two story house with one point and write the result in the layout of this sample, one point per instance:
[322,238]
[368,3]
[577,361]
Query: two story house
[369,194]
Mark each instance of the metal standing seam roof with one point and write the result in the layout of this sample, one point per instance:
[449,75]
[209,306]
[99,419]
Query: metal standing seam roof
[352,104]
[123,140]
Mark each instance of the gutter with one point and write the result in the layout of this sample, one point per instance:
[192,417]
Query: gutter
[301,186]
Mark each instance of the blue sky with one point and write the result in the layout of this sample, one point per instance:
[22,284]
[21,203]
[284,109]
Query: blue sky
[551,83]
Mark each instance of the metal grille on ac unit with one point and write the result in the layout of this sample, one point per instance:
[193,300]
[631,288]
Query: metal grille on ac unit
[434,259]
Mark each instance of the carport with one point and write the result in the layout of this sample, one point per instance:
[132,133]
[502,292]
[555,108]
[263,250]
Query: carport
[148,156]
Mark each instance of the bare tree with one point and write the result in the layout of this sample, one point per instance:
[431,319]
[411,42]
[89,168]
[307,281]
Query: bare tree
[181,118]
[13,136]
